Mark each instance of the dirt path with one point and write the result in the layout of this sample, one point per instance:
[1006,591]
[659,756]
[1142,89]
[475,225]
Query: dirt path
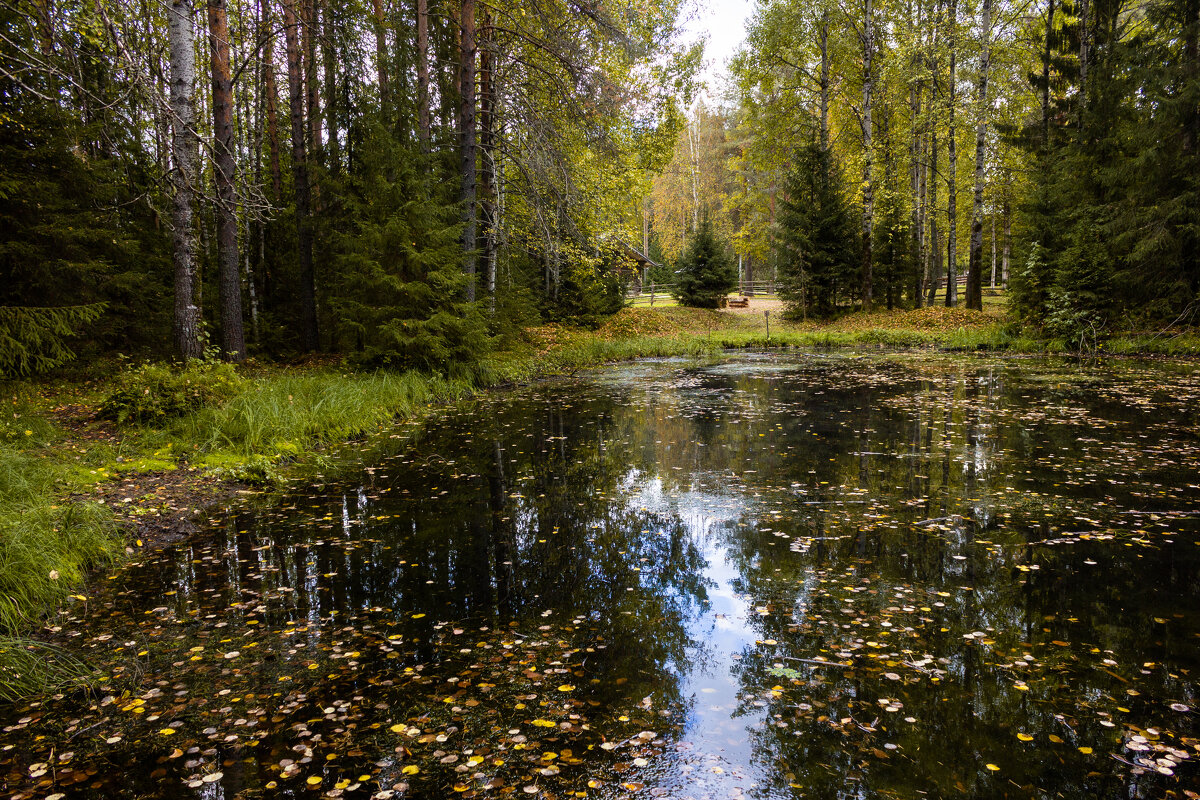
[157,508]
[758,305]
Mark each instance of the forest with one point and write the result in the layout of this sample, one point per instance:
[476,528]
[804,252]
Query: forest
[486,398]
[407,184]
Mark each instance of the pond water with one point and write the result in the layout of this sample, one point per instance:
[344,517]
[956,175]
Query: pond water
[769,576]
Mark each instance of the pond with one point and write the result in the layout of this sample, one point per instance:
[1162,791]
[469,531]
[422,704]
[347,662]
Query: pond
[766,576]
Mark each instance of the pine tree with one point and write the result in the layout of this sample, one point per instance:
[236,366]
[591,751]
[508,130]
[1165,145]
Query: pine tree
[817,239]
[706,271]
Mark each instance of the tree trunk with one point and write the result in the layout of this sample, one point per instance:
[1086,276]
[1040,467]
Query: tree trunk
[952,168]
[272,104]
[308,297]
[381,61]
[329,57]
[252,247]
[185,146]
[934,246]
[993,284]
[824,43]
[466,140]
[1084,56]
[312,79]
[1046,74]
[487,188]
[693,134]
[423,73]
[229,279]
[868,218]
[914,148]
[975,263]
[1007,245]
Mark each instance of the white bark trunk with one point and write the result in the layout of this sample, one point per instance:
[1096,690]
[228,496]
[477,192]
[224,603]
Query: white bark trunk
[185,152]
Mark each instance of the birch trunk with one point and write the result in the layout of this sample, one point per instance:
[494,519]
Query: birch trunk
[185,147]
[868,218]
[952,167]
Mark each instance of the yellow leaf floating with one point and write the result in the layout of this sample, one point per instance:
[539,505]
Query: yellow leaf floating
[1087,751]
[543,723]
[398,728]
[314,780]
[566,687]
[1056,738]
[411,769]
[167,731]
[1024,737]
[992,767]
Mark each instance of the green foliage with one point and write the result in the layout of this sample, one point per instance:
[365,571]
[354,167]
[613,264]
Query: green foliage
[707,271]
[1115,206]
[817,245]
[76,231]
[151,394]
[32,340]
[590,290]
[1028,288]
[399,286]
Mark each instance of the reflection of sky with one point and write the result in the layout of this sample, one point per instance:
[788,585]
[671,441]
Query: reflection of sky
[713,738]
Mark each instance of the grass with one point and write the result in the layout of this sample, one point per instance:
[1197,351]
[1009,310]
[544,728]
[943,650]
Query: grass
[47,545]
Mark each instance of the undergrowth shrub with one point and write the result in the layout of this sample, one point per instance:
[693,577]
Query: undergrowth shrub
[154,393]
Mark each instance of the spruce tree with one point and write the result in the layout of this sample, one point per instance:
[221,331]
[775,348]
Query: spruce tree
[818,238]
[399,285]
[706,271]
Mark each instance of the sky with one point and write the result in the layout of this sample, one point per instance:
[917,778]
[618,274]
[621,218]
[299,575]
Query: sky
[723,23]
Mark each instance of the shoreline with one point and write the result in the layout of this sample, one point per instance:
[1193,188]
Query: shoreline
[150,485]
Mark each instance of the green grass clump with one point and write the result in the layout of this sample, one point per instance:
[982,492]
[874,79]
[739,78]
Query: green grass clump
[1182,344]
[45,550]
[276,418]
[28,666]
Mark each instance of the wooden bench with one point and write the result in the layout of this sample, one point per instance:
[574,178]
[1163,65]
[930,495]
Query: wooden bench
[738,302]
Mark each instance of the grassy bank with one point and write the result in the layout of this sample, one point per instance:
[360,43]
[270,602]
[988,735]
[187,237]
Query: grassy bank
[47,543]
[63,470]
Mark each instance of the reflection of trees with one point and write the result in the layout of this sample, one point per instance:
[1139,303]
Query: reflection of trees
[538,518]
[872,490]
[857,569]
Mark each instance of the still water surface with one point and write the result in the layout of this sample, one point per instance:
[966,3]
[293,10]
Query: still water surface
[771,576]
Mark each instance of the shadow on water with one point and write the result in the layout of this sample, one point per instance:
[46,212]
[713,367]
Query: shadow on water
[774,576]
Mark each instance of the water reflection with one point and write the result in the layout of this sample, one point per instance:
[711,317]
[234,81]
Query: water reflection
[772,577]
